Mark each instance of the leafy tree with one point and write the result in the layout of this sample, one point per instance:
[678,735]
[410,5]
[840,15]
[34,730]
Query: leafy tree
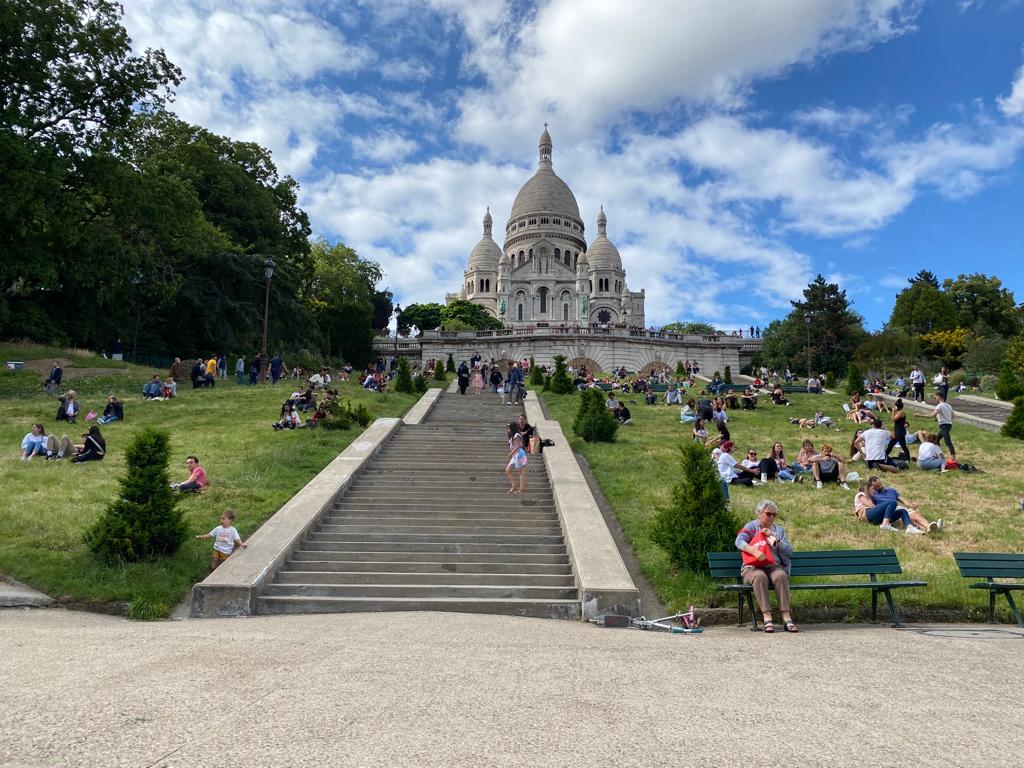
[1014,354]
[698,520]
[830,380]
[922,308]
[947,346]
[1010,386]
[143,522]
[886,350]
[594,422]
[536,375]
[403,379]
[854,379]
[986,353]
[471,316]
[982,298]
[426,317]
[560,383]
[1014,425]
[704,329]
[925,276]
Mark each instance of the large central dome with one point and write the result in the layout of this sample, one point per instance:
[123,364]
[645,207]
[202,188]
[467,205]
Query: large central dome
[545,193]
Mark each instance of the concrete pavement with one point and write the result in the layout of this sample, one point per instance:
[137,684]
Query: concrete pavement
[428,689]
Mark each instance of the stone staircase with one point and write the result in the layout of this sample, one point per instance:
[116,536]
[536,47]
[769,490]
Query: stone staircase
[428,526]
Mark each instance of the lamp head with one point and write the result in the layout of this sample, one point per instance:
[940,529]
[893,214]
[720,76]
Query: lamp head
[268,267]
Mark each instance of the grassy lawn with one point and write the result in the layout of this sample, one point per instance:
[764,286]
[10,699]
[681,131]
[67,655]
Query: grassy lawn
[46,506]
[981,511]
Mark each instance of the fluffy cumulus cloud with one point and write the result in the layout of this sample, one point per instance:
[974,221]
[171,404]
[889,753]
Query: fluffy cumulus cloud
[404,120]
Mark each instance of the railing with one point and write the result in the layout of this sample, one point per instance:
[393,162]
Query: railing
[544,330]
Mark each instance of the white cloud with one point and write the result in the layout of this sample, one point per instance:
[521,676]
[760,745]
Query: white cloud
[384,147]
[585,65]
[404,69]
[1013,104]
[834,120]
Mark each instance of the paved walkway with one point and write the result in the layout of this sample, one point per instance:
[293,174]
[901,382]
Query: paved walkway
[461,690]
[979,406]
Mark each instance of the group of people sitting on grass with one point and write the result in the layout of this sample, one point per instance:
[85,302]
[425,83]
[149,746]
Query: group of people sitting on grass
[93,446]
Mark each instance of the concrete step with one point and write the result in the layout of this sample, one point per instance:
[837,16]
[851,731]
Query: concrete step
[564,581]
[421,591]
[553,609]
[466,496]
[399,541]
[411,556]
[476,513]
[445,528]
[430,568]
[372,506]
[467,519]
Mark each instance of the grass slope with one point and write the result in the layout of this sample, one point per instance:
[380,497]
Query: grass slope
[981,512]
[46,506]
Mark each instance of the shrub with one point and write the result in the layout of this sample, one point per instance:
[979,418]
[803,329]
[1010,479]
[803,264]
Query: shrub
[1009,387]
[988,383]
[728,375]
[403,379]
[560,384]
[1014,426]
[536,374]
[449,366]
[698,519]
[854,379]
[144,521]
[420,384]
[680,369]
[547,383]
[439,374]
[957,377]
[594,422]
[830,380]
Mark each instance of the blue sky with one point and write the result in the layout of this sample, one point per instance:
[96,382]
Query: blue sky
[738,148]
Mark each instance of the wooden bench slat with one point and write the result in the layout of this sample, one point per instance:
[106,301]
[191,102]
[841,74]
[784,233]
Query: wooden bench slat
[968,556]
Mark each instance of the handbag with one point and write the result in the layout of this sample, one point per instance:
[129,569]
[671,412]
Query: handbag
[90,415]
[759,542]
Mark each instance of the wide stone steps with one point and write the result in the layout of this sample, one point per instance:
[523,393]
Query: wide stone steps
[428,525]
[428,578]
[548,609]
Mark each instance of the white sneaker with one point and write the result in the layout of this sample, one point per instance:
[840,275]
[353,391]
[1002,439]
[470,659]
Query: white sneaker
[938,524]
[887,527]
[819,484]
[764,478]
[913,530]
[844,486]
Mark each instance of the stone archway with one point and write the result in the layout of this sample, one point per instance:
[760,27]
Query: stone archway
[590,364]
[646,370]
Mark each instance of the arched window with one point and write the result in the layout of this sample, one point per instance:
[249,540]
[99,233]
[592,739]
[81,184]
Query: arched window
[565,312]
[558,254]
[487,283]
[481,286]
[520,311]
[543,292]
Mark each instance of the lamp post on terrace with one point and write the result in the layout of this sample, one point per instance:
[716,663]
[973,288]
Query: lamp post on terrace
[398,311]
[807,322]
[268,272]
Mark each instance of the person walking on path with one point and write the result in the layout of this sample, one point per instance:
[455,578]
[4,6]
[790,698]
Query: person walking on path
[254,370]
[943,414]
[240,369]
[917,379]
[177,370]
[767,556]
[513,382]
[225,537]
[52,383]
[276,368]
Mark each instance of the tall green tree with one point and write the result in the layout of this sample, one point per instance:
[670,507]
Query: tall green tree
[922,308]
[888,351]
[692,327]
[982,298]
[462,314]
[426,317]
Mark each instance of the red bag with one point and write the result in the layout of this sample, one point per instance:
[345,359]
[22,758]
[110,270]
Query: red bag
[759,542]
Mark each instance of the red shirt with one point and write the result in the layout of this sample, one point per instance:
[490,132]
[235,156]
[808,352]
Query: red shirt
[198,476]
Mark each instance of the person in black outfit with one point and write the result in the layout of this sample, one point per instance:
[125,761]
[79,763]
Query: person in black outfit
[522,427]
[52,383]
[463,374]
[93,448]
[899,431]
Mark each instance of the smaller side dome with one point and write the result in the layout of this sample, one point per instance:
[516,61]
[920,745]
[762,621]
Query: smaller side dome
[603,253]
[485,254]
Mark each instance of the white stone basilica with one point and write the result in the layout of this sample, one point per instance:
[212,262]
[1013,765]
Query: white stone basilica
[545,273]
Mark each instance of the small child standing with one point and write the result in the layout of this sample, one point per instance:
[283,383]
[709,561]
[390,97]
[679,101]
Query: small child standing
[224,539]
[516,461]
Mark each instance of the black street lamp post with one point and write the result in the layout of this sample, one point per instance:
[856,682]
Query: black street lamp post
[268,272]
[398,311]
[807,322]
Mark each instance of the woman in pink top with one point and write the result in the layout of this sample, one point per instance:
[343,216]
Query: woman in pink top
[196,480]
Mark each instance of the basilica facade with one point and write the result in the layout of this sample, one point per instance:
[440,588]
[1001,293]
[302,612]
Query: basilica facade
[545,274]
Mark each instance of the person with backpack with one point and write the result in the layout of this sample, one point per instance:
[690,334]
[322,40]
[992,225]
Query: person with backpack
[767,563]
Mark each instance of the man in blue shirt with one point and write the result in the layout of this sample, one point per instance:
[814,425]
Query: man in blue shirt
[276,368]
[513,384]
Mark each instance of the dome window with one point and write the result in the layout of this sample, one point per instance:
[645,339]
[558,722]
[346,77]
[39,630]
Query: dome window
[544,221]
[533,221]
[557,221]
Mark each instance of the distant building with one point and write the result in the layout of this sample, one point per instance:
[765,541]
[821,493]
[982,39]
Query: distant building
[545,273]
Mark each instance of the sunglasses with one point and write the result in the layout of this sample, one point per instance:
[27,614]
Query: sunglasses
[771,514]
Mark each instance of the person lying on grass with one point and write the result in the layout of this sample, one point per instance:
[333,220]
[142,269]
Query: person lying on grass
[881,495]
[225,537]
[818,420]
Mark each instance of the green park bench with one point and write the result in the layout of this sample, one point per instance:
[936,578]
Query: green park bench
[842,562]
[991,566]
[658,387]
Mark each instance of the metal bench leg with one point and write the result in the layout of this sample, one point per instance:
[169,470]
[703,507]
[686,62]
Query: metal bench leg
[739,598]
[753,613]
[892,608]
[874,605]
[991,606]
[1014,609]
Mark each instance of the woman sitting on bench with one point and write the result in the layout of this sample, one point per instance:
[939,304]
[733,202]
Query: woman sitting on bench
[768,554]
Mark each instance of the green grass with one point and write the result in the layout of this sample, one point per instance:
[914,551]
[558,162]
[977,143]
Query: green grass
[46,506]
[981,512]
